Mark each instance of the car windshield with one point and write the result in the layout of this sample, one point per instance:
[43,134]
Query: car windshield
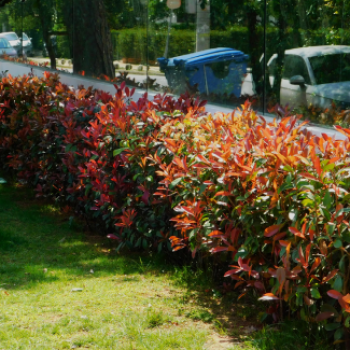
[10,36]
[330,69]
[25,37]
[4,44]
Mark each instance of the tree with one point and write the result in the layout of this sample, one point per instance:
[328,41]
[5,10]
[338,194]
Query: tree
[87,28]
[89,37]
[46,13]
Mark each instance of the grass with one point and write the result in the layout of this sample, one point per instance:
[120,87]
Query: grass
[123,303]
[63,289]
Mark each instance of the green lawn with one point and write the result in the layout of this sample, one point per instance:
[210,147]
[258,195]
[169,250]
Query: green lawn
[122,303]
[61,288]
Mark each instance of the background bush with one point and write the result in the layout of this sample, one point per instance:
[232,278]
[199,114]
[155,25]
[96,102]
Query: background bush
[134,43]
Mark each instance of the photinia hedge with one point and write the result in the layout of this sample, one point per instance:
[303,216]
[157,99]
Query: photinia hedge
[271,200]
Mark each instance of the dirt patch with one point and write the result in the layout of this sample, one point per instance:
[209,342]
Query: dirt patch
[218,342]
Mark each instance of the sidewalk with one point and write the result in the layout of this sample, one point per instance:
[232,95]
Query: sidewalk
[132,68]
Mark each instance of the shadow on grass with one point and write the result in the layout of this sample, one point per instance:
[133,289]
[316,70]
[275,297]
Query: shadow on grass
[35,237]
[38,245]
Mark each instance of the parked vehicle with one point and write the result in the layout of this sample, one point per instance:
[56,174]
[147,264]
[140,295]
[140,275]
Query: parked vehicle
[27,45]
[13,39]
[315,75]
[6,48]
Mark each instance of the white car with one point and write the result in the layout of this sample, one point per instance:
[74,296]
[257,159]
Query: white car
[316,75]
[6,48]
[27,45]
[13,39]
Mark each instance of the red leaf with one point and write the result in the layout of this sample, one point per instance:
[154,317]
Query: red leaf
[215,233]
[208,183]
[272,230]
[281,275]
[317,164]
[231,272]
[112,236]
[218,249]
[334,294]
[324,315]
[310,177]
[268,297]
[296,232]
[329,276]
[178,248]
[316,263]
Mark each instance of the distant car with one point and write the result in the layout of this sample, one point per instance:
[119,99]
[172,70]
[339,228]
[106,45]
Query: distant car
[27,45]
[315,75]
[13,40]
[6,48]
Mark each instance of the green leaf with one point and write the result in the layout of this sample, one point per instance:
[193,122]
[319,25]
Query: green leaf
[159,248]
[118,151]
[347,322]
[327,200]
[342,263]
[302,183]
[329,167]
[202,188]
[315,293]
[330,228]
[144,243]
[338,243]
[288,168]
[242,252]
[339,334]
[332,326]
[285,186]
[338,283]
[326,214]
[342,211]
[175,183]
[308,203]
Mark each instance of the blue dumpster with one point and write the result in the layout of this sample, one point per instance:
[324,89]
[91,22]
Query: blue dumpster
[218,71]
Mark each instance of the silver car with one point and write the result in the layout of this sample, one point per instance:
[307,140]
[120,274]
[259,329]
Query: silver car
[6,48]
[27,45]
[315,75]
[13,40]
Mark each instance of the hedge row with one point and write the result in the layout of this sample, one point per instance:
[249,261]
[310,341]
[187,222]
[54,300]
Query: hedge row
[139,43]
[271,200]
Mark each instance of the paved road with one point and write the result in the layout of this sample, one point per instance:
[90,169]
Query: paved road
[247,85]
[139,78]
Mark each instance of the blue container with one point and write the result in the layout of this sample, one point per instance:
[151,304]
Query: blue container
[218,71]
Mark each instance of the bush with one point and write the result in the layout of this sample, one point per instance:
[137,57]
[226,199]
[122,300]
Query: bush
[135,44]
[272,199]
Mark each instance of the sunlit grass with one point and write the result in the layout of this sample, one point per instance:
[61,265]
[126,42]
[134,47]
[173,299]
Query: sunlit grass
[124,303]
[62,289]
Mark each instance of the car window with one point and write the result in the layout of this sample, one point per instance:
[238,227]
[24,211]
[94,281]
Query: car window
[295,65]
[4,44]
[10,36]
[330,69]
[25,37]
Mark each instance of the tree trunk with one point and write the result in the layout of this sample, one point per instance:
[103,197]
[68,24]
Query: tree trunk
[90,38]
[45,16]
